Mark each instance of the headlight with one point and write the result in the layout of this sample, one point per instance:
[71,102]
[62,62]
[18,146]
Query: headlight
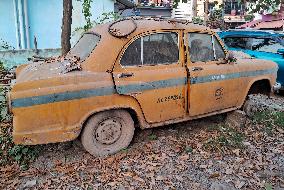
[276,87]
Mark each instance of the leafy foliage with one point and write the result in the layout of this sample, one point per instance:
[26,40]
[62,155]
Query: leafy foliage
[258,6]
[269,119]
[216,20]
[175,3]
[249,17]
[105,17]
[153,137]
[197,20]
[3,108]
[87,13]
[9,152]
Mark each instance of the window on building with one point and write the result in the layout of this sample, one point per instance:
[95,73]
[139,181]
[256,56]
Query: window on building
[154,49]
[236,5]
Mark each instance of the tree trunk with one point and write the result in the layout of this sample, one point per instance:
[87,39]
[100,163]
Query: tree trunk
[194,8]
[66,26]
[206,12]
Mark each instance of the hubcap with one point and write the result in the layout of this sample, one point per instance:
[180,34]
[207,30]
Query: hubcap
[108,131]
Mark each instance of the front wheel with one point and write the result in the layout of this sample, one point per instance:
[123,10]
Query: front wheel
[250,108]
[108,132]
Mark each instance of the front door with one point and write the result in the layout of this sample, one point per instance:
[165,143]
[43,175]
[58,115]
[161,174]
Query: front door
[151,70]
[214,84]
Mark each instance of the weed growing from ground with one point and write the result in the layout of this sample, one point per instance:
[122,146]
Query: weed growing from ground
[152,137]
[227,137]
[10,153]
[270,120]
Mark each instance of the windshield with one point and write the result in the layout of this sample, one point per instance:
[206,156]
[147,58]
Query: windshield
[257,44]
[85,46]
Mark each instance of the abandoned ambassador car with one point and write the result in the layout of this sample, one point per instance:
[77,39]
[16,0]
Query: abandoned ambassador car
[132,72]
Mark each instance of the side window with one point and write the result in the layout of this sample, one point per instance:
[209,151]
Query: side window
[200,47]
[269,46]
[219,52]
[154,49]
[236,43]
[132,55]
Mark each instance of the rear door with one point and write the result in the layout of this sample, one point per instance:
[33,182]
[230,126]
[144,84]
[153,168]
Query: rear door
[151,69]
[214,84]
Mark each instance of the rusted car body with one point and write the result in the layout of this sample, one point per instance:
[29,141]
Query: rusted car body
[161,72]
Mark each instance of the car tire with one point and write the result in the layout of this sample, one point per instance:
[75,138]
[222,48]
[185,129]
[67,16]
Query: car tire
[250,108]
[108,132]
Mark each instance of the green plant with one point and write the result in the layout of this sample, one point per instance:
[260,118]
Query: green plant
[227,137]
[3,90]
[124,150]
[197,20]
[105,17]
[216,20]
[9,152]
[188,149]
[270,119]
[260,6]
[268,186]
[86,10]
[176,2]
[249,17]
[153,137]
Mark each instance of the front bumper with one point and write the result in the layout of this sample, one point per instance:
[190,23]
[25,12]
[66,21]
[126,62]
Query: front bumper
[276,87]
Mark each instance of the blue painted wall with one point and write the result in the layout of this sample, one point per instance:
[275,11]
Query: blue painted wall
[7,22]
[44,21]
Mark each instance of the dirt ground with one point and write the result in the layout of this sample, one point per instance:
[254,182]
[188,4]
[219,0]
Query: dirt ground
[201,154]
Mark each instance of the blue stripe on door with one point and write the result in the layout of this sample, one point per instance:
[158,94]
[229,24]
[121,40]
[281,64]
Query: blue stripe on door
[124,89]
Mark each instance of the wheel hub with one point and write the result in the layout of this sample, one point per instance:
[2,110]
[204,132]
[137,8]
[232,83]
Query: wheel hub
[108,131]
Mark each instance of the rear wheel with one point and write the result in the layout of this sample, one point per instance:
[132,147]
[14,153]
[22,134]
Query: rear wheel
[108,132]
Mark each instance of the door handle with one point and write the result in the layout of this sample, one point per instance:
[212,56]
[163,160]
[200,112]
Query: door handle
[124,75]
[197,69]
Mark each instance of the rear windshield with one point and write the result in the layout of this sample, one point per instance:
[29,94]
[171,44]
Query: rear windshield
[85,46]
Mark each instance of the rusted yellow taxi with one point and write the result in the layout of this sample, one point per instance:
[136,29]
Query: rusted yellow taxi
[143,72]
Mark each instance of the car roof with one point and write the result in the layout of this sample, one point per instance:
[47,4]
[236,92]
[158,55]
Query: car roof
[151,23]
[110,46]
[249,33]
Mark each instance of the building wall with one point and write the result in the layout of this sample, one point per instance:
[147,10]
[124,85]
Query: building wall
[7,22]
[43,21]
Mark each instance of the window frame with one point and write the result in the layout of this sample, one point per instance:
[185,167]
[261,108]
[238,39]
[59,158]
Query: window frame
[262,38]
[90,32]
[212,35]
[141,35]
